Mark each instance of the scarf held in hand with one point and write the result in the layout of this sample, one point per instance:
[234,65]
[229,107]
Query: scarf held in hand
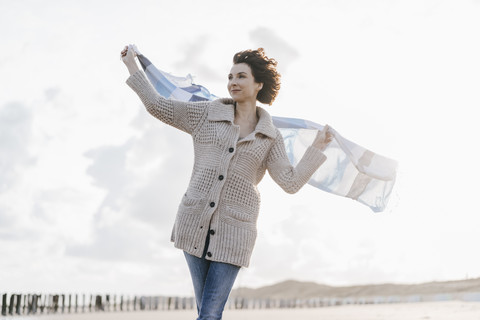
[350,170]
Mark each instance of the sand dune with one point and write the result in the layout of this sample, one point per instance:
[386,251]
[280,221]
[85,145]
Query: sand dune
[292,289]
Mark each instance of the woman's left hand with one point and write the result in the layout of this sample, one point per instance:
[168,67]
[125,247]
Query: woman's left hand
[323,138]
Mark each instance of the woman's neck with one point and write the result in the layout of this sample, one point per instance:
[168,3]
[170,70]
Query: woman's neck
[246,111]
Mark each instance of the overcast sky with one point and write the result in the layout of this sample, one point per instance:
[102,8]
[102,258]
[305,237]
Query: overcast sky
[90,183]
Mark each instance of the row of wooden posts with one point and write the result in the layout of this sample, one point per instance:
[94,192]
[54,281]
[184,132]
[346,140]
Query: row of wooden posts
[31,304]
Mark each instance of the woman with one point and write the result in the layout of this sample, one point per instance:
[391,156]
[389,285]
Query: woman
[234,142]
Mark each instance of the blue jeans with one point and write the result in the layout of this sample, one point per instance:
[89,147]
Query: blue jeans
[212,283]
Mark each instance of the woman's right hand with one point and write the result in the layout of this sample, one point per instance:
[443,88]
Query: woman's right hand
[128,57]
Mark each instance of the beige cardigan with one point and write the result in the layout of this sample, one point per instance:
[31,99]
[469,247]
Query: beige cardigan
[222,198]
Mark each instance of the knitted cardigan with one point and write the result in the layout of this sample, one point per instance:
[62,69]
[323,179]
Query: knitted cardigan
[222,198]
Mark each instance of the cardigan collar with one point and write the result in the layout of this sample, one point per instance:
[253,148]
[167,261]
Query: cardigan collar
[223,110]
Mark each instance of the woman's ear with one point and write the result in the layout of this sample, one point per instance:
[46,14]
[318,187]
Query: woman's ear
[260,86]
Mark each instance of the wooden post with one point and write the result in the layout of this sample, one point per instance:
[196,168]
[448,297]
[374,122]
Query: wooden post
[98,303]
[53,304]
[4,304]
[107,303]
[11,305]
[31,301]
[50,306]
[19,305]
[63,303]
[35,303]
[56,302]
[36,298]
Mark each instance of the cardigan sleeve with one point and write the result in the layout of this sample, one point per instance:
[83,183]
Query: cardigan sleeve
[179,114]
[290,178]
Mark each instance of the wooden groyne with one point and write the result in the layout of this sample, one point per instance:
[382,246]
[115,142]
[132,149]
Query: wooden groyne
[35,304]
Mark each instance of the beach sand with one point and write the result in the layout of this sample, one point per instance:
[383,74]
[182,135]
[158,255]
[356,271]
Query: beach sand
[457,310]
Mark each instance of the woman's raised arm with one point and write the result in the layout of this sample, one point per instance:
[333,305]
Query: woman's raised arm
[179,114]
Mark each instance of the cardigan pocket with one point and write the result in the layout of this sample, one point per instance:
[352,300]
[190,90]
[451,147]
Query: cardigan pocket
[190,205]
[239,219]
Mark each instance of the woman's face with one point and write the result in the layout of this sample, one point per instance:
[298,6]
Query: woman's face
[241,83]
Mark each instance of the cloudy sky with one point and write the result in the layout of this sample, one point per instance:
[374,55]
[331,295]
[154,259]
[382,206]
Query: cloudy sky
[90,183]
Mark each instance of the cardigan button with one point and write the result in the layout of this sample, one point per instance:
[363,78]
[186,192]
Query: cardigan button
[231,150]
[209,254]
[212,204]
[220,177]
[212,232]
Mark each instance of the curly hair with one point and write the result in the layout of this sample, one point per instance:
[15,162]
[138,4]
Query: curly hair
[263,71]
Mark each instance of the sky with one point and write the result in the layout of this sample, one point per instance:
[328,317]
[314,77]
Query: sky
[90,182]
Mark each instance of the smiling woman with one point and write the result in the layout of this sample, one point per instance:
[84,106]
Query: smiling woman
[235,143]
[242,84]
[263,71]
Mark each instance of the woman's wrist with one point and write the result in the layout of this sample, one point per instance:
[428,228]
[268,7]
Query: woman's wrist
[320,146]
[132,67]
